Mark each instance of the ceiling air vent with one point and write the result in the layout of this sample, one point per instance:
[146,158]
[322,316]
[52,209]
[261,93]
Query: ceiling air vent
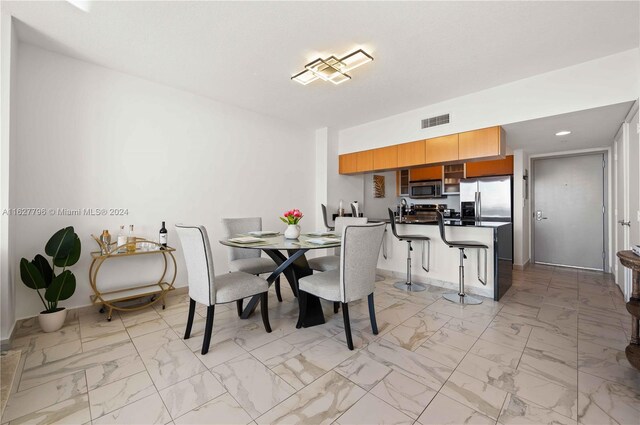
[434,121]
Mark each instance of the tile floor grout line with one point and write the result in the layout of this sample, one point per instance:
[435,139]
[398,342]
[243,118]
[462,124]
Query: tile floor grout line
[296,392]
[88,396]
[148,374]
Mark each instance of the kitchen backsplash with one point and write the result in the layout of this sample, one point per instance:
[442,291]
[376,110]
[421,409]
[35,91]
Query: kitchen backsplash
[377,207]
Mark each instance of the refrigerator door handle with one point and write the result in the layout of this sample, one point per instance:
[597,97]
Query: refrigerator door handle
[475,206]
[478,205]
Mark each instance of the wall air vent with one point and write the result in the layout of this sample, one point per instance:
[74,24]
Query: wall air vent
[434,121]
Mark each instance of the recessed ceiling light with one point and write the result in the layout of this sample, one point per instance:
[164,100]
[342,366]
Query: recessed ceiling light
[563,133]
[332,69]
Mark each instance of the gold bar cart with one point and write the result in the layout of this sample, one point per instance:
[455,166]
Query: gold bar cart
[156,291]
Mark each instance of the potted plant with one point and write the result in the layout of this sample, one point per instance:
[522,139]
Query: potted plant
[58,284]
[292,218]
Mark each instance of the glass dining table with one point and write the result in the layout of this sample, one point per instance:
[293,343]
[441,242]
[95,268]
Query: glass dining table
[293,265]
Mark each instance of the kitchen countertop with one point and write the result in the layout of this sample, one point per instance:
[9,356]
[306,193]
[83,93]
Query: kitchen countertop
[453,223]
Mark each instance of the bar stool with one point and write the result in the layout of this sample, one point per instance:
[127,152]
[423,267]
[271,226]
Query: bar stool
[461,297]
[408,285]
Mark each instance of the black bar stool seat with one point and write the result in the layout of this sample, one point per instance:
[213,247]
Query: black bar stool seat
[408,285]
[461,297]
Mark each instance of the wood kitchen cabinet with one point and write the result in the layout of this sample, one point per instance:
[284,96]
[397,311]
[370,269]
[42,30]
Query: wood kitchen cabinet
[442,149]
[425,173]
[402,183]
[498,167]
[348,163]
[364,161]
[385,158]
[478,145]
[411,154]
[483,143]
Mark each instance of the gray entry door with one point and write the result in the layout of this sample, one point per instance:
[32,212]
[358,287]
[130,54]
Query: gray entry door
[568,218]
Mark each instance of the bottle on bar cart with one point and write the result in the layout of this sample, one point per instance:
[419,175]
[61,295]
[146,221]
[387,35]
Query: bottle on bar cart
[162,238]
[131,240]
[122,240]
[105,238]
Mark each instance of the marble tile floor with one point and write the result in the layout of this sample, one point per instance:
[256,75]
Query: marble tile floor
[551,351]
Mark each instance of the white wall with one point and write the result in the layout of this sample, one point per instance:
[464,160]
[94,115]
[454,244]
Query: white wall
[8,77]
[340,187]
[91,137]
[520,209]
[321,173]
[584,86]
[377,207]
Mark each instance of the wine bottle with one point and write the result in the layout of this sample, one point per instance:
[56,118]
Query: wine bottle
[122,240]
[162,239]
[105,238]
[131,240]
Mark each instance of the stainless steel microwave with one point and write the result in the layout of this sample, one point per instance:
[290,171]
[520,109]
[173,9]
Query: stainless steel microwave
[425,189]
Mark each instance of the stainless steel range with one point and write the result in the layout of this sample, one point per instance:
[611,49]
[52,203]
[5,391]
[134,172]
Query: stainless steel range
[424,213]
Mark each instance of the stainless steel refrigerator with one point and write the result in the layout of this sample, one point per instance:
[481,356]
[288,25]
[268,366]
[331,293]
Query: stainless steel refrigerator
[491,198]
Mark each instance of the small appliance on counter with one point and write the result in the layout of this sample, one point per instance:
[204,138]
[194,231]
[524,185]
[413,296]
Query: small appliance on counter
[448,213]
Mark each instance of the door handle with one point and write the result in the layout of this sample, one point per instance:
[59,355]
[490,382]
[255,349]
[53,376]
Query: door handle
[624,223]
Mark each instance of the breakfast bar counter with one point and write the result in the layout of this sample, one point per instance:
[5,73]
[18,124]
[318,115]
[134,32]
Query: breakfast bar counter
[444,261]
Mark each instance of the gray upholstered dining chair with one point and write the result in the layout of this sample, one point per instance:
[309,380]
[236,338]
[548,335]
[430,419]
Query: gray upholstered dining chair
[355,277]
[208,289]
[332,262]
[248,260]
[325,217]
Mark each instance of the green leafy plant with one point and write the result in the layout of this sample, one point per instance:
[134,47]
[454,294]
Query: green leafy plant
[64,249]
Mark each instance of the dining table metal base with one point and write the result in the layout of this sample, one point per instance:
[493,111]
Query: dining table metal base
[294,267]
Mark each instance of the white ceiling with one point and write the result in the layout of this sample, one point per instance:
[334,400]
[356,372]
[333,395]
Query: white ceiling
[243,53]
[591,128]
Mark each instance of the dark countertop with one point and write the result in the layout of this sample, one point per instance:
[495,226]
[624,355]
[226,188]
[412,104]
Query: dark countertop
[453,223]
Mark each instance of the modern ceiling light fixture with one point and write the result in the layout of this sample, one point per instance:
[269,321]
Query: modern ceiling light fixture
[563,133]
[332,69]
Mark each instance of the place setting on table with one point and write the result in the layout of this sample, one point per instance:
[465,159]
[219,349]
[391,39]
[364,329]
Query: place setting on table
[294,265]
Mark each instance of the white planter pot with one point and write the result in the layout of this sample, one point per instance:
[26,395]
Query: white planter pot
[51,322]
[292,232]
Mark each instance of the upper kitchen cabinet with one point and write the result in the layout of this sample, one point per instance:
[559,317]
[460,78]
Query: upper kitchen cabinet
[477,145]
[498,167]
[425,173]
[442,149]
[485,143]
[385,158]
[402,182]
[411,154]
[348,163]
[364,161]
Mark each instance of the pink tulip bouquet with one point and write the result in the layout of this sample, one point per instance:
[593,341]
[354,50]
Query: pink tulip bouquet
[292,216]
